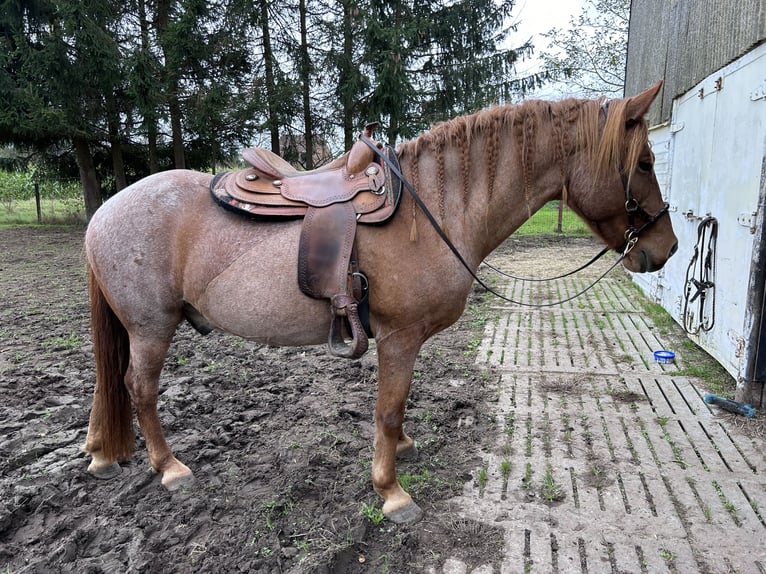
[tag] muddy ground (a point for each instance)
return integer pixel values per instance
(279, 439)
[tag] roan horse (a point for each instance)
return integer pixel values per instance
(162, 247)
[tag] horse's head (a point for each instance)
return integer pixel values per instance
(613, 186)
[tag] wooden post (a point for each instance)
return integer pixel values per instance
(561, 215)
(37, 202)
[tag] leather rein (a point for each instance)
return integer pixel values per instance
(632, 207)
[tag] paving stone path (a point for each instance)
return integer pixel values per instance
(605, 460)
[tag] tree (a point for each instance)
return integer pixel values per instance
(432, 60)
(123, 89)
(588, 59)
(62, 60)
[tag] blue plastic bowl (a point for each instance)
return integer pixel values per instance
(664, 357)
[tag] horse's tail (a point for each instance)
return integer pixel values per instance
(112, 409)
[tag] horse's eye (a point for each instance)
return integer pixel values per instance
(644, 166)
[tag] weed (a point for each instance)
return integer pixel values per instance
(472, 346)
(526, 482)
(509, 424)
(667, 554)
(677, 453)
(505, 468)
(482, 479)
(70, 342)
(727, 504)
(372, 513)
(409, 481)
(550, 490)
(211, 368)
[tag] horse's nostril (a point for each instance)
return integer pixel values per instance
(673, 250)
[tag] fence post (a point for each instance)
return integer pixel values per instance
(561, 215)
(37, 202)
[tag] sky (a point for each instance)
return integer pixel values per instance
(536, 17)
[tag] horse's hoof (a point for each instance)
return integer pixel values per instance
(408, 454)
(177, 481)
(104, 471)
(409, 514)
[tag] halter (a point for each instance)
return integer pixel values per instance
(632, 207)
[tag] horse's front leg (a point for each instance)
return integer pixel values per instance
(142, 379)
(396, 359)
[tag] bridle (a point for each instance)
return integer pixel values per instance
(633, 208)
(632, 233)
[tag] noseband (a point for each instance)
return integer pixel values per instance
(635, 210)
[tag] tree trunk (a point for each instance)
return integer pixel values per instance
(346, 70)
(91, 191)
(115, 143)
(151, 140)
(150, 115)
(305, 68)
(174, 105)
(268, 63)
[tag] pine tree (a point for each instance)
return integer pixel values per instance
(433, 60)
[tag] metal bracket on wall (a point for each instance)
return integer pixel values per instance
(747, 220)
(675, 128)
(759, 93)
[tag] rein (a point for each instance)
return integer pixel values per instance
(631, 233)
(595, 258)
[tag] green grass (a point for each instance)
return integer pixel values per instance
(545, 221)
(53, 212)
(372, 512)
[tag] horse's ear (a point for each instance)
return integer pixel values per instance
(637, 106)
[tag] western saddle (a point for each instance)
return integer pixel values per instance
(332, 200)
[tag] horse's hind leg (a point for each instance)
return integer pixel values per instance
(147, 356)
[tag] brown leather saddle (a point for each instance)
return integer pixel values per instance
(355, 188)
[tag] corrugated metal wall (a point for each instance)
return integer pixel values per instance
(683, 41)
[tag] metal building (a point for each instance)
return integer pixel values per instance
(709, 137)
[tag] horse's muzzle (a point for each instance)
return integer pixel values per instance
(648, 264)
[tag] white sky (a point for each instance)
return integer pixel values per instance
(535, 17)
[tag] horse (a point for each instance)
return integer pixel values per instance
(162, 251)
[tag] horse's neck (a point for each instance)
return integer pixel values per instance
(483, 190)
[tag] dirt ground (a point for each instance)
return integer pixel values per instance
(548, 441)
(279, 439)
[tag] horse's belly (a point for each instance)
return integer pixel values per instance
(257, 298)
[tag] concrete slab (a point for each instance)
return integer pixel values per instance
(603, 459)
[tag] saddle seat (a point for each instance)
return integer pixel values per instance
(332, 200)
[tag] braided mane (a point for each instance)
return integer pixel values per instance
(537, 124)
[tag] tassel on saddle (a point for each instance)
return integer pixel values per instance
(332, 200)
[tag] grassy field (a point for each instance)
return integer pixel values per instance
(545, 222)
(52, 212)
(70, 211)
